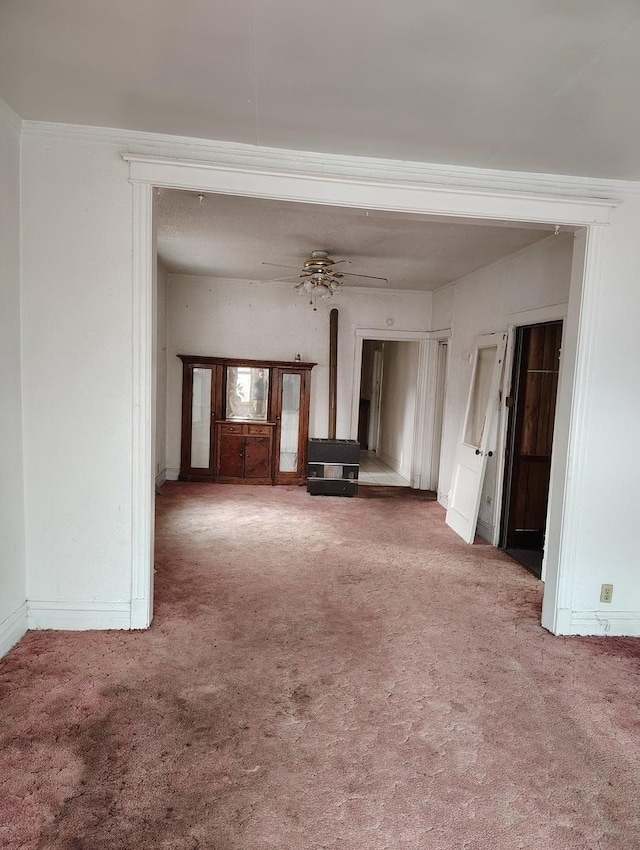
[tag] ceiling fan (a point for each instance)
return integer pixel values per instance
(318, 278)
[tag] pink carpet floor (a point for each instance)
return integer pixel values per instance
(321, 674)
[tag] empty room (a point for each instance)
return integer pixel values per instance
(316, 521)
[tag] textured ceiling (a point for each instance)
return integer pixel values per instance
(513, 84)
(230, 237)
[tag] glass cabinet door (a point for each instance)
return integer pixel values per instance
(247, 393)
(199, 384)
(201, 418)
(290, 422)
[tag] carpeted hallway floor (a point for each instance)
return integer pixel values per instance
(321, 673)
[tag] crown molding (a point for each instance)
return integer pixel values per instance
(10, 117)
(201, 152)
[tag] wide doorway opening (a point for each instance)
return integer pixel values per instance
(145, 173)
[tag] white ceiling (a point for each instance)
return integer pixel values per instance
(231, 237)
(544, 86)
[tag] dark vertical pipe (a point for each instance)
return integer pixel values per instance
(333, 372)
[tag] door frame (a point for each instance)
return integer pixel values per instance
(555, 313)
(435, 413)
(411, 188)
(418, 453)
(439, 405)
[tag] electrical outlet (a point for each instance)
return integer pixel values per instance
(606, 593)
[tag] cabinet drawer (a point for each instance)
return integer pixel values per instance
(231, 429)
(263, 430)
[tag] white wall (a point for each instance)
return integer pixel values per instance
(232, 318)
(12, 535)
(77, 330)
(160, 346)
(398, 405)
(482, 303)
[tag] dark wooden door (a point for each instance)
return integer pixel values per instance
(257, 458)
(530, 435)
(232, 450)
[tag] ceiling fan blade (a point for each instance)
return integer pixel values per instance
(279, 265)
(279, 279)
(370, 276)
(335, 262)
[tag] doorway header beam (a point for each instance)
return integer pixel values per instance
(410, 195)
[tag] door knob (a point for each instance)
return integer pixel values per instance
(477, 451)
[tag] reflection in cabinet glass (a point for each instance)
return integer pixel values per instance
(244, 421)
(247, 392)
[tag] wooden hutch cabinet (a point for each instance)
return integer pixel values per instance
(244, 421)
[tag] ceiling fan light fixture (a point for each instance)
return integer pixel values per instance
(319, 279)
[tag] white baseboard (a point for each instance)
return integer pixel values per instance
(389, 461)
(161, 477)
(485, 531)
(171, 474)
(614, 624)
(140, 614)
(12, 628)
(394, 463)
(78, 616)
(443, 499)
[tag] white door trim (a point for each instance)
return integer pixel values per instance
(143, 401)
(373, 435)
(456, 200)
(438, 392)
(567, 484)
(455, 195)
(422, 337)
(557, 312)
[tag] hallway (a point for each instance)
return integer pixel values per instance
(321, 673)
(375, 471)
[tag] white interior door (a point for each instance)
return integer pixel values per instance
(478, 435)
